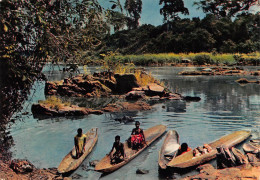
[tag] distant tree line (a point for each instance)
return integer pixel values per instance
(210, 34)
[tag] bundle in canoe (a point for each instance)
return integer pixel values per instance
(187, 160)
(69, 162)
(170, 146)
(151, 135)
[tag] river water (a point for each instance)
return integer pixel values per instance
(225, 106)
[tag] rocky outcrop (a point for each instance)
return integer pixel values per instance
(62, 110)
(207, 171)
(100, 84)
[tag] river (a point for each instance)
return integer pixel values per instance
(225, 106)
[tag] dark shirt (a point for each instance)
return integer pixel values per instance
(136, 131)
(119, 148)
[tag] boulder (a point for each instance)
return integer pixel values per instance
(21, 166)
(125, 83)
(155, 90)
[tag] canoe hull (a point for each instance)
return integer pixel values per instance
(151, 135)
(69, 162)
(186, 160)
(170, 145)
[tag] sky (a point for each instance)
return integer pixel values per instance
(151, 11)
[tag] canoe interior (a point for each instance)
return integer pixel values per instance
(151, 135)
(186, 160)
(170, 146)
(250, 148)
(69, 162)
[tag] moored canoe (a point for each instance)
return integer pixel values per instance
(69, 162)
(187, 160)
(151, 135)
(170, 146)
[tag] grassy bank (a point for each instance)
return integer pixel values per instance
(196, 58)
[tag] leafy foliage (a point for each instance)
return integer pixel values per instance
(197, 35)
(225, 8)
(171, 8)
(134, 9)
(33, 32)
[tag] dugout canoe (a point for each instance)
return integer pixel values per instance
(151, 135)
(69, 162)
(169, 148)
(251, 148)
(186, 160)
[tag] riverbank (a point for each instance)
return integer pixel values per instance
(23, 169)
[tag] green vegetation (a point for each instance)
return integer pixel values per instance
(54, 102)
(196, 58)
(210, 34)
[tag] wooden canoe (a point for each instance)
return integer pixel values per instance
(69, 162)
(186, 160)
(170, 146)
(251, 148)
(151, 135)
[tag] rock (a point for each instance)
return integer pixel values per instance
(93, 163)
(229, 173)
(21, 166)
(125, 83)
(76, 176)
(135, 95)
(126, 106)
(190, 98)
(125, 119)
(142, 171)
(62, 110)
(154, 90)
(245, 81)
(239, 156)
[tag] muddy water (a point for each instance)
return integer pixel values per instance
(225, 106)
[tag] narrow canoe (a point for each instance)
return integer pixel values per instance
(186, 160)
(69, 162)
(251, 148)
(151, 135)
(170, 146)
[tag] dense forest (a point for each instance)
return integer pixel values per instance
(210, 34)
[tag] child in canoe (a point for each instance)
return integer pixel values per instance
(137, 137)
(183, 149)
(119, 155)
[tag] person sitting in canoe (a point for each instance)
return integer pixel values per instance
(80, 141)
(183, 149)
(119, 155)
(137, 137)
